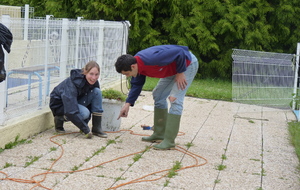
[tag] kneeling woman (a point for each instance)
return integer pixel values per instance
(77, 98)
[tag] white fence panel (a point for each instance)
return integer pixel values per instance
(45, 50)
(262, 78)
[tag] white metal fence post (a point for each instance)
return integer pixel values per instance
(3, 84)
(77, 41)
(100, 47)
(125, 36)
(46, 58)
(64, 49)
(296, 78)
(26, 21)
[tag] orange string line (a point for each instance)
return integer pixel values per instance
(138, 180)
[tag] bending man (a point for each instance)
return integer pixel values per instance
(176, 67)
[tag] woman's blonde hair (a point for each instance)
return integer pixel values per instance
(89, 66)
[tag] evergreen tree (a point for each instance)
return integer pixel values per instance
(211, 28)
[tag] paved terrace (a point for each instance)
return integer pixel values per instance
(222, 146)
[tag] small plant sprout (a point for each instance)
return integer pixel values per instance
(53, 149)
(263, 172)
(120, 178)
(13, 144)
(189, 145)
(172, 172)
(255, 159)
(32, 160)
(99, 151)
(217, 181)
(137, 157)
(166, 183)
(251, 121)
(7, 165)
(111, 141)
(224, 157)
(147, 148)
(221, 167)
(75, 168)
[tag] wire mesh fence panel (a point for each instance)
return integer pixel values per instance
(262, 78)
(114, 42)
(44, 51)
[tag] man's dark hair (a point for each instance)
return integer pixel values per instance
(124, 63)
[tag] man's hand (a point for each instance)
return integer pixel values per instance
(124, 111)
(181, 81)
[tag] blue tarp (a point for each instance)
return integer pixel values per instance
(296, 112)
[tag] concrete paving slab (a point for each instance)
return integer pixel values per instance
(252, 142)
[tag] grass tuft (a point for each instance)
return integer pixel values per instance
(294, 129)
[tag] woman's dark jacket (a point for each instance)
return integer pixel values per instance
(63, 98)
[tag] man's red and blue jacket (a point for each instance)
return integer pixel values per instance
(158, 62)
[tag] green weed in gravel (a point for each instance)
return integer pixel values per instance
(137, 157)
(99, 151)
(7, 165)
(75, 168)
(173, 171)
(15, 143)
(166, 183)
(221, 167)
(32, 160)
(111, 141)
(53, 149)
(255, 159)
(224, 157)
(120, 178)
(189, 145)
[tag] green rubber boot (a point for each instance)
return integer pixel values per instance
(172, 128)
(160, 118)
